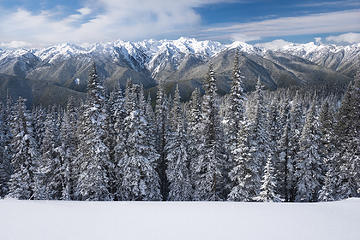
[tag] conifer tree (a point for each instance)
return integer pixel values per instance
(250, 153)
(347, 131)
(67, 151)
(268, 186)
(48, 175)
(130, 97)
(115, 117)
(115, 130)
(4, 155)
(194, 133)
(161, 111)
(245, 174)
(274, 127)
(234, 115)
(356, 137)
(24, 153)
(139, 180)
(294, 134)
(308, 162)
(328, 152)
(5, 146)
(235, 110)
(39, 117)
(150, 118)
(93, 181)
(283, 162)
(177, 156)
(210, 180)
(259, 125)
(327, 192)
(326, 131)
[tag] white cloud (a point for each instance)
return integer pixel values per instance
(242, 37)
(84, 11)
(15, 44)
(339, 21)
(347, 3)
(317, 39)
(274, 45)
(103, 20)
(345, 38)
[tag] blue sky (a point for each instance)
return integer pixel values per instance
(30, 23)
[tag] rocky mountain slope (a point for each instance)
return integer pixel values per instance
(184, 61)
(344, 59)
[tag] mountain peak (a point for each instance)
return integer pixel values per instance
(244, 47)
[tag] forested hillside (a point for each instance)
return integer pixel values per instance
(287, 145)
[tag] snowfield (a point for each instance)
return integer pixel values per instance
(52, 220)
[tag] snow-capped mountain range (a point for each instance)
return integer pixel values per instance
(338, 58)
(183, 60)
(145, 52)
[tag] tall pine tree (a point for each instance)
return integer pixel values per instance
(24, 156)
(210, 182)
(93, 181)
(161, 111)
(177, 155)
(308, 162)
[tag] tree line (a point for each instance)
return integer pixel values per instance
(261, 146)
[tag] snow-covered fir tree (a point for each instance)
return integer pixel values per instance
(93, 181)
(5, 148)
(294, 134)
(118, 148)
(308, 162)
(39, 118)
(6, 138)
(177, 155)
(250, 153)
(67, 151)
(235, 109)
(24, 154)
(194, 133)
(274, 127)
(48, 178)
(328, 189)
(139, 180)
(245, 173)
(356, 134)
(234, 115)
(161, 112)
(328, 153)
(115, 117)
(259, 128)
(268, 184)
(210, 182)
(150, 118)
(115, 131)
(282, 163)
(348, 141)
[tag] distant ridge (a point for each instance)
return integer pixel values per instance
(183, 61)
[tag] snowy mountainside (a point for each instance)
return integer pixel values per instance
(179, 220)
(152, 53)
(343, 59)
(184, 61)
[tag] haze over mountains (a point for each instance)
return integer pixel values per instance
(50, 75)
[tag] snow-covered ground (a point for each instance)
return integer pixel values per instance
(53, 220)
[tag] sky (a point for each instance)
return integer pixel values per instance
(39, 23)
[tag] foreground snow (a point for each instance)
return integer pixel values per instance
(20, 220)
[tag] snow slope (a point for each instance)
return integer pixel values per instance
(159, 55)
(54, 220)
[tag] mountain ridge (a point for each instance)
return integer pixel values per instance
(183, 61)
